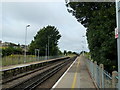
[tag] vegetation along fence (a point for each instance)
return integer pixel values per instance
(20, 59)
(102, 78)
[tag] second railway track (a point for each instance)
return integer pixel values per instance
(43, 75)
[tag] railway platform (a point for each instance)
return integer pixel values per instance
(19, 65)
(76, 76)
(25, 64)
(13, 70)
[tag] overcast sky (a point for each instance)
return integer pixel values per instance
(16, 15)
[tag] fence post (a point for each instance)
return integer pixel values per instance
(114, 80)
(95, 71)
(91, 63)
(101, 76)
(92, 69)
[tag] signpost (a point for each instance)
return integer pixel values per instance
(118, 38)
(116, 33)
(37, 53)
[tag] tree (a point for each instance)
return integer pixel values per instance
(75, 53)
(11, 50)
(99, 19)
(47, 36)
(69, 52)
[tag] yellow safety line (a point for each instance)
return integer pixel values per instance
(75, 76)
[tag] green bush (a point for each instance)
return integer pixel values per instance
(11, 50)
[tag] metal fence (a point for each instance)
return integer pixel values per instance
(107, 79)
(102, 78)
(12, 60)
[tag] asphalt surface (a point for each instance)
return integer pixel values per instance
(76, 76)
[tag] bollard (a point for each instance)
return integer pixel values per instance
(114, 80)
(101, 76)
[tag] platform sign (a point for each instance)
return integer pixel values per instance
(116, 33)
(118, 39)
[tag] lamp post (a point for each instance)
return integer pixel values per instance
(82, 48)
(118, 39)
(25, 42)
(48, 46)
(46, 51)
(83, 45)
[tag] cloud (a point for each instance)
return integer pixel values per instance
(16, 15)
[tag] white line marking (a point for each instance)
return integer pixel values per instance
(63, 75)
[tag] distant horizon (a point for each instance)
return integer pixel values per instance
(29, 44)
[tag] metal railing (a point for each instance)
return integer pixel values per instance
(102, 78)
(107, 79)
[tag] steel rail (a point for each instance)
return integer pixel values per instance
(26, 73)
(35, 81)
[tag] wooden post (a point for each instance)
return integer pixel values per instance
(114, 80)
(101, 76)
(95, 71)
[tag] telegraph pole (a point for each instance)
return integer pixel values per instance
(118, 39)
(48, 47)
(46, 52)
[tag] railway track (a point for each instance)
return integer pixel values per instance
(35, 80)
(5, 81)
